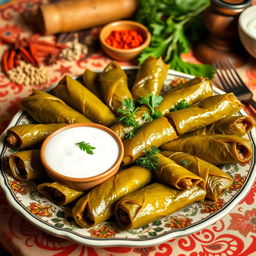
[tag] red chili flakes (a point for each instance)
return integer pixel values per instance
(124, 39)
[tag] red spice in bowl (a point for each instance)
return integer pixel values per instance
(124, 39)
(124, 54)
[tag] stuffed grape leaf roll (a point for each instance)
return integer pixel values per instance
(81, 99)
(28, 135)
(46, 108)
(151, 134)
(59, 193)
(204, 113)
(215, 149)
(150, 78)
(98, 204)
(230, 125)
(26, 165)
(114, 86)
(153, 202)
(215, 180)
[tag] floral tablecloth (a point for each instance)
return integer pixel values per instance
(233, 235)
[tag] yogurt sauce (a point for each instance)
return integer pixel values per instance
(64, 156)
(251, 25)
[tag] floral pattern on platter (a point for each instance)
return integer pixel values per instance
(103, 231)
(175, 222)
(40, 210)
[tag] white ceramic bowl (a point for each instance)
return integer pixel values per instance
(246, 21)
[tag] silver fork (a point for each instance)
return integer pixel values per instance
(232, 82)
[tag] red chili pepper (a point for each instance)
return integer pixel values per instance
(11, 59)
(124, 39)
(34, 54)
(34, 37)
(5, 60)
(45, 43)
(46, 49)
(27, 56)
(8, 40)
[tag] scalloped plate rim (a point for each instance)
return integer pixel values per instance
(111, 242)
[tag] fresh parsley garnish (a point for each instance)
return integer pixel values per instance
(147, 117)
(130, 134)
(128, 111)
(185, 162)
(180, 105)
(152, 101)
(149, 160)
(86, 147)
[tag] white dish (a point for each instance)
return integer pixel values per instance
(247, 29)
(56, 220)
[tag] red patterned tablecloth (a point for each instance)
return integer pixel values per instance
(233, 235)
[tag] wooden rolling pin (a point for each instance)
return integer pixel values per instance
(79, 14)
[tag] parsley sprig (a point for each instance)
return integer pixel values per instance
(185, 162)
(128, 111)
(152, 101)
(149, 160)
(86, 147)
(180, 105)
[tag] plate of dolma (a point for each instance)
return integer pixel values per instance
(138, 206)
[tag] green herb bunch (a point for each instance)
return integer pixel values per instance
(152, 101)
(150, 159)
(129, 109)
(180, 105)
(168, 21)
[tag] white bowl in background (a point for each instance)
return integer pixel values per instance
(247, 29)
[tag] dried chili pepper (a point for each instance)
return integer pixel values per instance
(26, 56)
(11, 59)
(34, 53)
(5, 60)
(34, 37)
(44, 43)
(46, 49)
(124, 39)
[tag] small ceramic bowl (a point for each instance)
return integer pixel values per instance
(77, 182)
(124, 54)
(247, 29)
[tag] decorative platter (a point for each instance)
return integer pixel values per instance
(56, 220)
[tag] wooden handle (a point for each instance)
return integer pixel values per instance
(79, 14)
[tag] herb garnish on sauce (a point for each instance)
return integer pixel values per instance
(86, 147)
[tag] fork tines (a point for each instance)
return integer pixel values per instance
(228, 75)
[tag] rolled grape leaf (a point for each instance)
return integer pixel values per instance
(59, 193)
(204, 113)
(98, 204)
(153, 202)
(114, 86)
(26, 165)
(91, 81)
(46, 108)
(215, 149)
(81, 99)
(175, 175)
(230, 125)
(29, 135)
(193, 91)
(150, 78)
(215, 181)
(151, 134)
